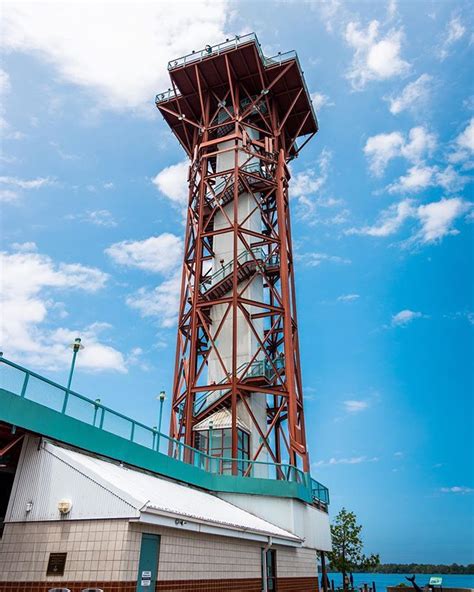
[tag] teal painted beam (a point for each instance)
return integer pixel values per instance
(47, 422)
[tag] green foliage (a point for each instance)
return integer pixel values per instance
(347, 547)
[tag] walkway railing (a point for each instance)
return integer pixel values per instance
(36, 388)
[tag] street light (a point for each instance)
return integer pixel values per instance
(76, 346)
(161, 397)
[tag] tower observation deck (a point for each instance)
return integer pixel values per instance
(237, 392)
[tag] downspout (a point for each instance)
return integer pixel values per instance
(264, 563)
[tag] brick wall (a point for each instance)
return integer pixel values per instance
(105, 554)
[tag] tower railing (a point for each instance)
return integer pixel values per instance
(33, 387)
(256, 255)
(257, 369)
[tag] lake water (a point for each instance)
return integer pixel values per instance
(384, 580)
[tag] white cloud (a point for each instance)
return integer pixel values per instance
(8, 195)
(118, 52)
(26, 184)
(172, 181)
(382, 148)
(457, 489)
(348, 297)
(376, 57)
(102, 218)
(4, 82)
(437, 219)
(353, 406)
(404, 317)
(29, 280)
(420, 143)
(390, 220)
(156, 254)
(161, 302)
(414, 95)
(315, 259)
(418, 177)
(321, 100)
(454, 32)
(354, 460)
(307, 187)
(464, 144)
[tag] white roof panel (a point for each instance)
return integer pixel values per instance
(152, 492)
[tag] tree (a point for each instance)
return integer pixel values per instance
(347, 546)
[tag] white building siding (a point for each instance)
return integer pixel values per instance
(44, 479)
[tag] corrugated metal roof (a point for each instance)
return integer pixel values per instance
(158, 494)
(220, 419)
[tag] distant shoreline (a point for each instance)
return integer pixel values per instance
(418, 568)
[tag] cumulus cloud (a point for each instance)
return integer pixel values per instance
(321, 100)
(435, 220)
(413, 96)
(307, 189)
(353, 406)
(161, 302)
(382, 148)
(172, 181)
(405, 317)
(156, 254)
(390, 220)
(463, 148)
(376, 56)
(454, 32)
(118, 53)
(29, 282)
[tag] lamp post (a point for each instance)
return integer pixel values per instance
(76, 346)
(162, 398)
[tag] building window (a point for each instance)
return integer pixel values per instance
(218, 444)
(269, 571)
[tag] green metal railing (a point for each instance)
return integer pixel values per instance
(256, 369)
(31, 386)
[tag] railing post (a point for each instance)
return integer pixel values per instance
(132, 431)
(25, 384)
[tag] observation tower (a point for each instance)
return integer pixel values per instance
(237, 394)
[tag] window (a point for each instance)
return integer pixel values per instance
(218, 443)
(269, 572)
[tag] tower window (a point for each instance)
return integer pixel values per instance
(218, 444)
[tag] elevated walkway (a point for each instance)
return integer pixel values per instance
(38, 405)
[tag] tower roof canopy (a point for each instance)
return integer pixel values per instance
(241, 60)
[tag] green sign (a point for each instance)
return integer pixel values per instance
(436, 581)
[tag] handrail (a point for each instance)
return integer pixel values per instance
(31, 386)
(243, 257)
(263, 368)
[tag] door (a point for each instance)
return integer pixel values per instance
(148, 565)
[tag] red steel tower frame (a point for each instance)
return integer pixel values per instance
(238, 116)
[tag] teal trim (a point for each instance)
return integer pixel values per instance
(36, 404)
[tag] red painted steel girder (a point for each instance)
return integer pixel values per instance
(235, 104)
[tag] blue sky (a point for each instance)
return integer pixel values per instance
(92, 192)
